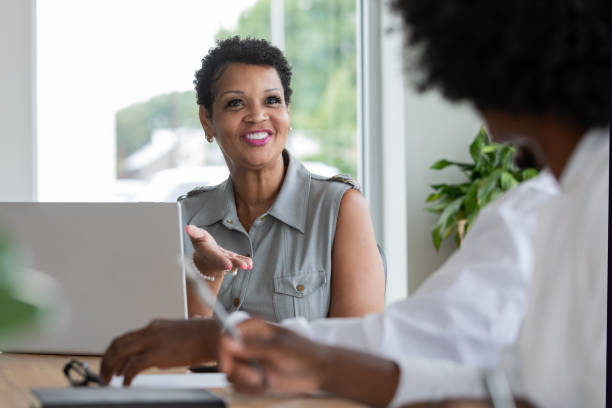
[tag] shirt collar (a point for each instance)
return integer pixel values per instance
(289, 207)
(593, 146)
(292, 201)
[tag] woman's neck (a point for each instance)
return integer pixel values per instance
(256, 190)
(554, 139)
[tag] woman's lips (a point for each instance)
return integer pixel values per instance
(257, 138)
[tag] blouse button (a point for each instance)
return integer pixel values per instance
(229, 221)
(300, 288)
(236, 302)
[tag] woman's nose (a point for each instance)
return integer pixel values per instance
(257, 114)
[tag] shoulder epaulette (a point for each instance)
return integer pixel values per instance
(195, 191)
(346, 179)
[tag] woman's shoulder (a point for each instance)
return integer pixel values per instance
(195, 199)
(344, 181)
(200, 192)
(326, 189)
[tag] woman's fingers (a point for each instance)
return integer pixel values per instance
(239, 261)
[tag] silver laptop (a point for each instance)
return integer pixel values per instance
(116, 265)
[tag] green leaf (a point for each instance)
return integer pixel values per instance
(433, 197)
(488, 184)
(440, 205)
(477, 146)
(449, 212)
(528, 173)
(436, 236)
(440, 164)
(452, 191)
(493, 147)
(507, 181)
(505, 157)
(449, 229)
(471, 199)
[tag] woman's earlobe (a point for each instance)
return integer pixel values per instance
(205, 121)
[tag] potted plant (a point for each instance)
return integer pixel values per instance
(492, 173)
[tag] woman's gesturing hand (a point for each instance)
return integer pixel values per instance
(291, 363)
(210, 258)
(162, 344)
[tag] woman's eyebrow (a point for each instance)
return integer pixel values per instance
(232, 91)
(271, 89)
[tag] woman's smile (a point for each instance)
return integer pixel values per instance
(258, 137)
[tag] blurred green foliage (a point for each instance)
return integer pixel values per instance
(492, 173)
(135, 124)
(320, 44)
(15, 313)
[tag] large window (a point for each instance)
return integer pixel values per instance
(117, 117)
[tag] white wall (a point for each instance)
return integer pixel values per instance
(17, 101)
(404, 133)
(435, 129)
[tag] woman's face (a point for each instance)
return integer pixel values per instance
(250, 119)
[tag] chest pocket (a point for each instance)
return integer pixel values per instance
(304, 295)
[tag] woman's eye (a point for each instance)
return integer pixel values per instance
(234, 103)
(273, 100)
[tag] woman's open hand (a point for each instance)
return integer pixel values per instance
(162, 344)
(211, 259)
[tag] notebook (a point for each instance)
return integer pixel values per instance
(132, 397)
(116, 266)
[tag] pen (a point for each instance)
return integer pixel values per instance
(220, 313)
(209, 298)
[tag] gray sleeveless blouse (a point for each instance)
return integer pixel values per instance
(290, 244)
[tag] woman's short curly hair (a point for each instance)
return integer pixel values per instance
(519, 56)
(234, 49)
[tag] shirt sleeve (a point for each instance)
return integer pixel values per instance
(430, 380)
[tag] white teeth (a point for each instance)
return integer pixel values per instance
(257, 136)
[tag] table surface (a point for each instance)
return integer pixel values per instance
(21, 372)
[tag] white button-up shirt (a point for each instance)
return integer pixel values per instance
(559, 359)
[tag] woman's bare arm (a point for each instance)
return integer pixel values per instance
(358, 278)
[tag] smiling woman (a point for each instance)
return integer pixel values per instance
(304, 244)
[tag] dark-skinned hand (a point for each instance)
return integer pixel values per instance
(210, 258)
(161, 344)
(291, 362)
